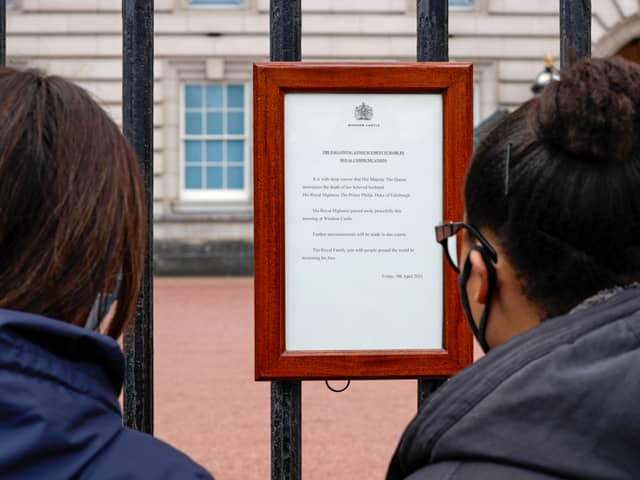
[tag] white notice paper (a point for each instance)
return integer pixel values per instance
(363, 191)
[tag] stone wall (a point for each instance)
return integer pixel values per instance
(81, 40)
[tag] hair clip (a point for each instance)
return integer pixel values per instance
(506, 170)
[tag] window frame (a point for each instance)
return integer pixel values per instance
(467, 5)
(215, 4)
(219, 195)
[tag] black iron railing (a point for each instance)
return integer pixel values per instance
(3, 31)
(432, 45)
(137, 97)
(286, 397)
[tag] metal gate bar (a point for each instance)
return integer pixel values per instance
(433, 46)
(575, 30)
(286, 430)
(3, 32)
(433, 30)
(137, 97)
(286, 397)
(286, 30)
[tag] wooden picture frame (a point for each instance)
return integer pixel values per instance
(271, 82)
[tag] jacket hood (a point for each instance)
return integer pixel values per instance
(560, 399)
(59, 387)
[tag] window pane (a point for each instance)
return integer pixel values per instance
(194, 123)
(214, 96)
(193, 96)
(214, 123)
(214, 151)
(235, 96)
(193, 177)
(235, 151)
(235, 122)
(235, 177)
(214, 177)
(192, 151)
(214, 2)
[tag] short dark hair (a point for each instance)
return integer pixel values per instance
(71, 202)
(569, 218)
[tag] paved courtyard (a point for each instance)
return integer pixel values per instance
(208, 405)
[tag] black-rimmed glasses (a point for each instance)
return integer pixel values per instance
(447, 235)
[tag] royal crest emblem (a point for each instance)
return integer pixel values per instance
(363, 112)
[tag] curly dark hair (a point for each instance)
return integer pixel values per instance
(569, 220)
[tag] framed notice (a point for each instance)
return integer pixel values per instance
(354, 165)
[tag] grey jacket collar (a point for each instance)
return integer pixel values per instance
(562, 398)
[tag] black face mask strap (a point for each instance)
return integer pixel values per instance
(479, 331)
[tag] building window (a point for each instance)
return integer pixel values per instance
(215, 2)
(214, 141)
(460, 3)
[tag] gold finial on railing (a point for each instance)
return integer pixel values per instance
(548, 60)
(548, 75)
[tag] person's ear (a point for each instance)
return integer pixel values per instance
(479, 278)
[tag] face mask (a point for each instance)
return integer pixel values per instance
(102, 305)
(479, 330)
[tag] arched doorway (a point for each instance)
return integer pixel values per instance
(631, 51)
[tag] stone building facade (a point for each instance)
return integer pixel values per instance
(204, 53)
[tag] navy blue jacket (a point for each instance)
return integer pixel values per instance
(59, 411)
(561, 400)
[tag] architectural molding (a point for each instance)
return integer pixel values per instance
(173, 208)
(618, 36)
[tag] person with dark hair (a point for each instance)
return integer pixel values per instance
(549, 266)
(72, 236)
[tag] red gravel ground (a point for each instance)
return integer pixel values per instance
(208, 405)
